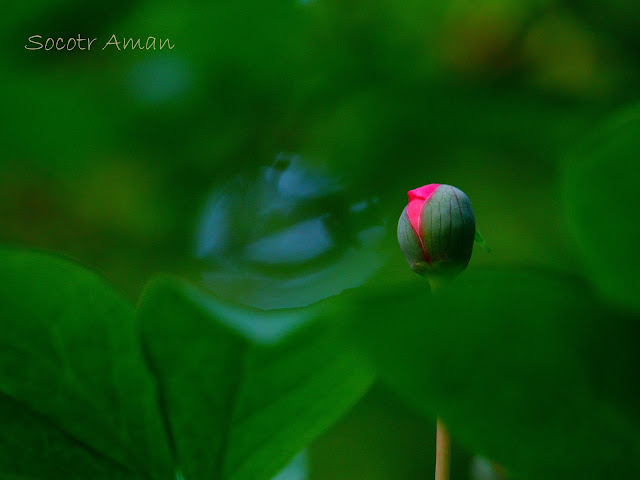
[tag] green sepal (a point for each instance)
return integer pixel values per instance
(480, 241)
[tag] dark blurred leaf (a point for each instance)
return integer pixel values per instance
(57, 126)
(239, 409)
(525, 368)
(602, 197)
(58, 18)
(76, 401)
(618, 19)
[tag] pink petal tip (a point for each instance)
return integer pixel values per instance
(417, 198)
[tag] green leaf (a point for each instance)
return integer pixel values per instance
(241, 408)
(601, 186)
(525, 368)
(76, 401)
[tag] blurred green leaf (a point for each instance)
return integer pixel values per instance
(524, 367)
(601, 185)
(59, 17)
(55, 126)
(617, 19)
(239, 409)
(76, 401)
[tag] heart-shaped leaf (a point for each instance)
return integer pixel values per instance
(76, 400)
(239, 408)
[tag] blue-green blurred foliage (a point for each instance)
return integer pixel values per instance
(107, 156)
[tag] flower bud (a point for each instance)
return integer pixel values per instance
(436, 231)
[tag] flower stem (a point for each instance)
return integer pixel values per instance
(443, 441)
(437, 284)
(443, 451)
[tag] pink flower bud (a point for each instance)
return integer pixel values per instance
(436, 230)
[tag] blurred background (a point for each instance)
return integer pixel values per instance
(267, 155)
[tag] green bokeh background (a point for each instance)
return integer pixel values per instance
(108, 156)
